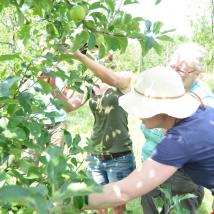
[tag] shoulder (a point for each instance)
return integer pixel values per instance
(125, 79)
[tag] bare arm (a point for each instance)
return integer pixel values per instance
(142, 180)
(108, 76)
(71, 102)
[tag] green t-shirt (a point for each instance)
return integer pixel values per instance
(110, 131)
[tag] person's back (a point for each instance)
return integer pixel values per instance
(194, 147)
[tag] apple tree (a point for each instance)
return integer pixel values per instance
(35, 36)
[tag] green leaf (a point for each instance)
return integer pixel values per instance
(44, 138)
(146, 44)
(6, 85)
(42, 7)
(52, 31)
(157, 26)
(98, 16)
(24, 165)
(50, 56)
(168, 31)
(127, 19)
(80, 40)
(34, 128)
(25, 101)
(148, 25)
(60, 29)
(14, 193)
(56, 164)
(59, 104)
(187, 196)
(77, 189)
(130, 2)
(25, 196)
(165, 38)
(90, 24)
(84, 36)
(3, 4)
(33, 173)
(11, 108)
(24, 33)
(111, 5)
(177, 205)
(15, 133)
(123, 44)
(79, 202)
(102, 51)
(8, 57)
(41, 189)
(157, 47)
(65, 57)
(91, 41)
(21, 17)
(68, 137)
(76, 139)
(157, 2)
(45, 86)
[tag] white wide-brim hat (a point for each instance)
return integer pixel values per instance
(160, 90)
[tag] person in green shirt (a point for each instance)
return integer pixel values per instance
(113, 159)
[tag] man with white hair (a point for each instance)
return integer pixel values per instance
(188, 61)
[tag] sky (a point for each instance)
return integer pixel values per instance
(173, 13)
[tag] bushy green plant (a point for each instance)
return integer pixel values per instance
(35, 36)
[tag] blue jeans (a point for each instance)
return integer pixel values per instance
(107, 171)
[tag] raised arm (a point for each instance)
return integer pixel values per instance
(142, 180)
(120, 80)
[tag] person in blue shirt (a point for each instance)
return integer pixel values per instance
(187, 60)
(160, 100)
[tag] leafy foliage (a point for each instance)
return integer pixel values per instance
(34, 175)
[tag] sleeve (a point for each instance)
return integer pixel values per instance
(172, 150)
(125, 78)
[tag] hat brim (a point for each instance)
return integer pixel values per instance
(145, 107)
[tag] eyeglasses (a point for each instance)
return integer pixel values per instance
(182, 72)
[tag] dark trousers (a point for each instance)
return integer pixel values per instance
(180, 183)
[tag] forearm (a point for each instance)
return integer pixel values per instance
(142, 180)
(117, 193)
(71, 103)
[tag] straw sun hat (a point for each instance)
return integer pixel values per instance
(159, 90)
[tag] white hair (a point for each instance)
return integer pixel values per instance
(191, 53)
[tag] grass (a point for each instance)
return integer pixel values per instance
(81, 121)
